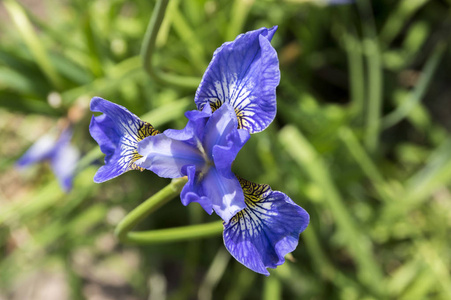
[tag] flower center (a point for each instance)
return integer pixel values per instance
(208, 162)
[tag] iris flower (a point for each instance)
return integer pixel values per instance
(236, 97)
(59, 151)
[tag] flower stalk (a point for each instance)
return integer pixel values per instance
(148, 49)
(123, 229)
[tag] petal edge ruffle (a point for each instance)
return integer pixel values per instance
(245, 74)
(265, 231)
(117, 132)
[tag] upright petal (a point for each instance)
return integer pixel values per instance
(224, 155)
(261, 235)
(195, 127)
(117, 132)
(221, 124)
(244, 73)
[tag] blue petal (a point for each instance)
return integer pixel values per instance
(244, 73)
(266, 230)
(166, 156)
(117, 132)
(224, 192)
(223, 156)
(213, 192)
(41, 150)
(62, 155)
(63, 163)
(221, 124)
(195, 127)
(193, 190)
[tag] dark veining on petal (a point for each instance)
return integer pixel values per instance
(253, 194)
(215, 104)
(144, 130)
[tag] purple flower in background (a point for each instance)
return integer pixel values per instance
(245, 74)
(62, 155)
(117, 132)
(204, 151)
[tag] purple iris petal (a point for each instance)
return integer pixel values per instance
(218, 128)
(166, 156)
(62, 155)
(223, 156)
(196, 124)
(117, 132)
(193, 151)
(266, 230)
(245, 74)
(64, 162)
(41, 150)
(224, 192)
(193, 190)
(213, 191)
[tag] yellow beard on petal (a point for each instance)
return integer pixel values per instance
(144, 131)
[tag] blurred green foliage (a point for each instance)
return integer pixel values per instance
(361, 141)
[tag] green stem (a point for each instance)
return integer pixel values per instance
(214, 274)
(176, 234)
(272, 289)
(123, 229)
(356, 73)
(148, 49)
(419, 91)
(239, 13)
(374, 73)
(94, 56)
(360, 155)
(188, 35)
(147, 207)
(398, 18)
(33, 42)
